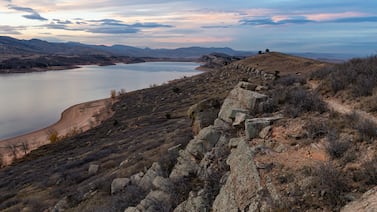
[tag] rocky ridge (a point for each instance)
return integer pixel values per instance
(255, 150)
(216, 156)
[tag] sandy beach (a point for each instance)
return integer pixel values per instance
(75, 119)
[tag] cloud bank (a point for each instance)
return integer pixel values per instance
(33, 15)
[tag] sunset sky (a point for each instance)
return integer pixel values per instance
(341, 26)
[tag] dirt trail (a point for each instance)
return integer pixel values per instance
(336, 106)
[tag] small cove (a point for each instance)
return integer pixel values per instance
(33, 101)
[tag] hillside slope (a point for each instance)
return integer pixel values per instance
(297, 155)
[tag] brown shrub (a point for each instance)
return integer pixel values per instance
(289, 80)
(299, 100)
(331, 184)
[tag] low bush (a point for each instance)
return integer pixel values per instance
(366, 128)
(370, 171)
(321, 73)
(53, 136)
(336, 147)
(370, 103)
(363, 86)
(290, 80)
(316, 129)
(176, 90)
(182, 188)
(113, 94)
(357, 75)
(331, 184)
(269, 106)
(299, 101)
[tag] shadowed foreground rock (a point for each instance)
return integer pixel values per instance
(367, 203)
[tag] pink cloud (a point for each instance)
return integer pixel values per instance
(332, 16)
(194, 39)
(278, 18)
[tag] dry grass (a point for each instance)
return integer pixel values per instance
(285, 64)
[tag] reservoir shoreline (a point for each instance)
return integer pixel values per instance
(69, 85)
(75, 119)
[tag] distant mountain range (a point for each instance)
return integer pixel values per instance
(12, 46)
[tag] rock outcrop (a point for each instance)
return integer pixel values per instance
(217, 60)
(146, 181)
(203, 114)
(252, 70)
(188, 160)
(206, 161)
(254, 127)
(243, 190)
(367, 203)
(197, 201)
(93, 169)
(241, 100)
(119, 184)
(154, 201)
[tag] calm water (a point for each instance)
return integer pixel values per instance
(35, 100)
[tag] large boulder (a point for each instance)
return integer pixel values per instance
(243, 183)
(243, 190)
(146, 182)
(203, 114)
(188, 159)
(154, 201)
(93, 169)
(135, 179)
(241, 98)
(61, 205)
(253, 127)
(186, 165)
(368, 202)
(119, 184)
(163, 184)
(197, 202)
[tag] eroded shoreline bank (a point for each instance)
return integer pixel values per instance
(75, 119)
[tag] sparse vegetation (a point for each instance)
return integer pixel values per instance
(331, 184)
(316, 129)
(176, 90)
(367, 129)
(53, 135)
(299, 101)
(358, 76)
(113, 94)
(142, 130)
(122, 92)
(370, 171)
(336, 147)
(12, 148)
(289, 80)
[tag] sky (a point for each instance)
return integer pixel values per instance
(323, 26)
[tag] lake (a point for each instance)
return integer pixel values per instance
(32, 101)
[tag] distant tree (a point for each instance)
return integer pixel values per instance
(25, 146)
(267, 50)
(259, 52)
(13, 149)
